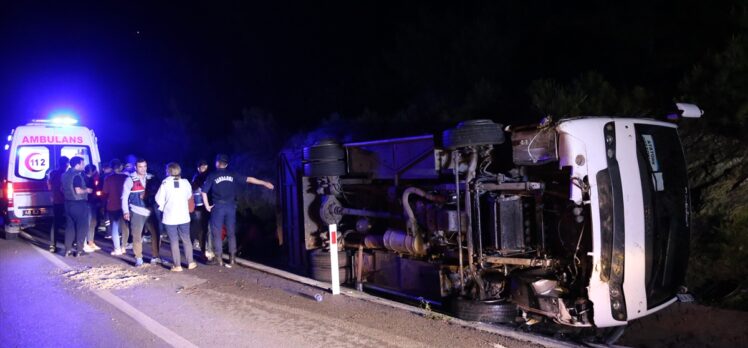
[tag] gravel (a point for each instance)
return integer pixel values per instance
(107, 277)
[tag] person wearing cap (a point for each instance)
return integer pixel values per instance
(219, 197)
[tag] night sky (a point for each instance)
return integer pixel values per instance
(121, 65)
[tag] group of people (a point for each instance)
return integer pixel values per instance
(134, 200)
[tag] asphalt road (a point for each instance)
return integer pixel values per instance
(47, 300)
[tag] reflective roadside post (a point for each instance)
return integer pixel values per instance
(334, 265)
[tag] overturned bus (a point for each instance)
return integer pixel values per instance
(583, 221)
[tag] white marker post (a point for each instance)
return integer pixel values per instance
(334, 268)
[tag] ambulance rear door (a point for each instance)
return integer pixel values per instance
(35, 151)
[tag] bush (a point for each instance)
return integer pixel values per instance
(717, 270)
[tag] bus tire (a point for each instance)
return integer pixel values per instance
(473, 133)
(326, 168)
(320, 266)
(499, 311)
(325, 150)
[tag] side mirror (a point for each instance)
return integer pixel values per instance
(689, 110)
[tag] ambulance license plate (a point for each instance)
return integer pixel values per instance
(34, 212)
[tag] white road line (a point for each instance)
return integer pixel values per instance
(147, 322)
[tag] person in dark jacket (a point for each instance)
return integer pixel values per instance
(112, 197)
(222, 186)
(76, 206)
(54, 184)
(199, 217)
(89, 175)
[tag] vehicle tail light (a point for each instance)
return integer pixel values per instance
(9, 193)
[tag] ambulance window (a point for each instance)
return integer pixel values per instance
(80, 151)
(32, 162)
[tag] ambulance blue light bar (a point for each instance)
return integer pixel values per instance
(63, 119)
(58, 119)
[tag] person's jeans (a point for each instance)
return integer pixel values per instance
(137, 223)
(199, 227)
(76, 223)
(93, 218)
(208, 242)
(58, 226)
(115, 223)
(223, 214)
(158, 216)
(177, 232)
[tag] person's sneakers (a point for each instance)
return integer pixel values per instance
(117, 252)
(232, 260)
(67, 254)
(176, 269)
(87, 248)
(209, 254)
(216, 261)
(95, 247)
(192, 265)
(156, 261)
(129, 246)
(138, 262)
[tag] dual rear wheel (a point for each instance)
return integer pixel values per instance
(324, 158)
(320, 266)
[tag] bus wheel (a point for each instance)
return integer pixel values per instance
(492, 311)
(320, 266)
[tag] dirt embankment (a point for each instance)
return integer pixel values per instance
(688, 325)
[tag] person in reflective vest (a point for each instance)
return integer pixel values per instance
(137, 202)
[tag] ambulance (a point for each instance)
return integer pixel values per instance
(32, 151)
